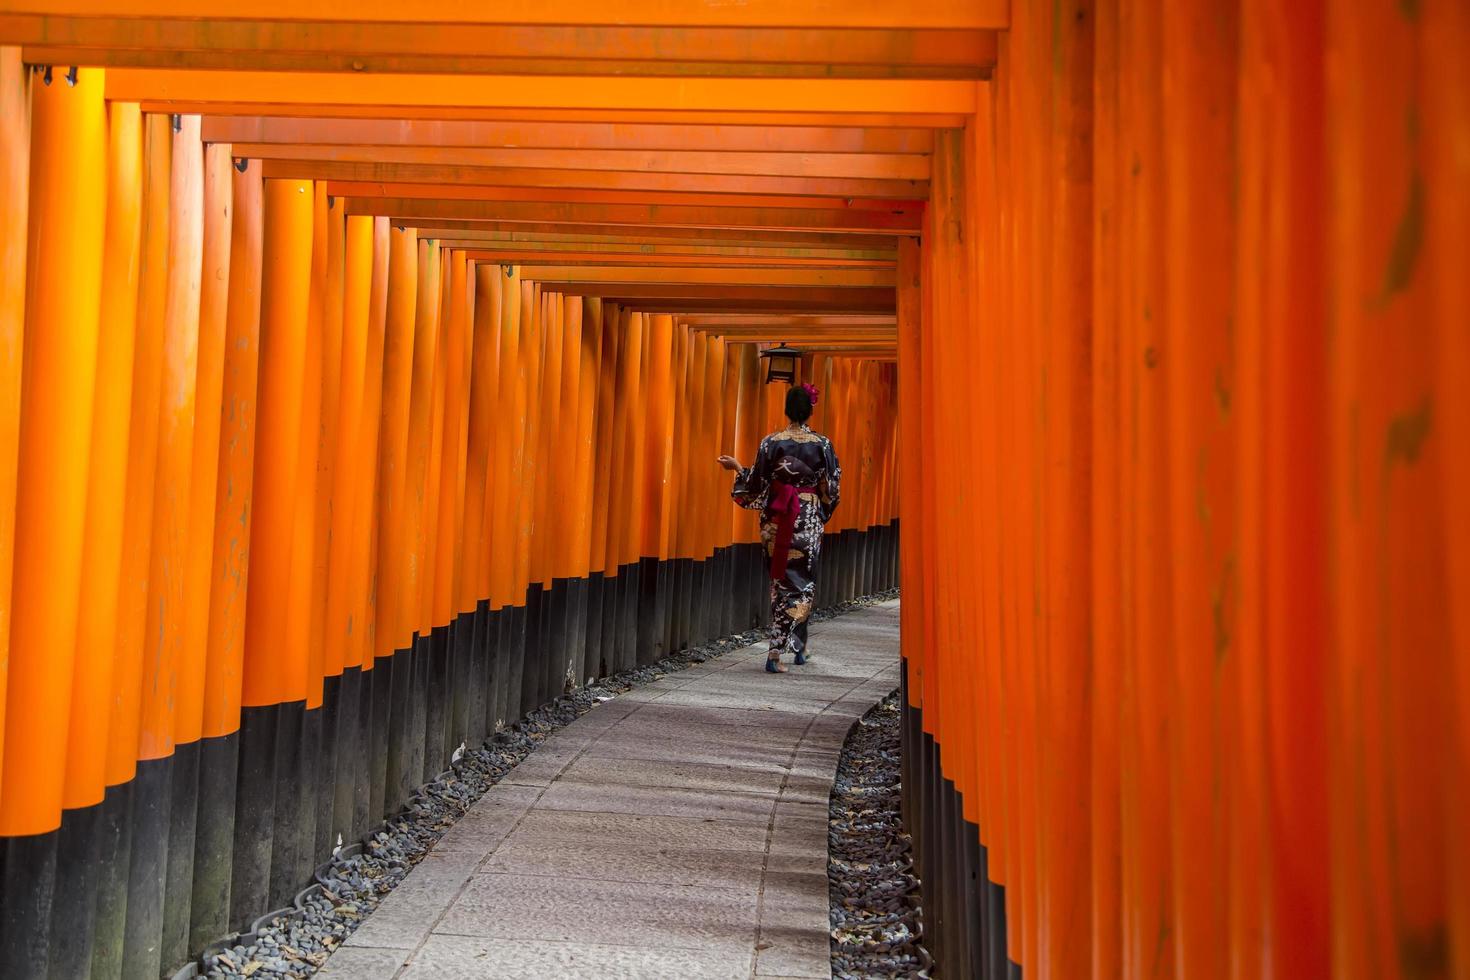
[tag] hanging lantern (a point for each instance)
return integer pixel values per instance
(781, 363)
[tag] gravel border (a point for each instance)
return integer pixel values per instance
(876, 914)
(295, 942)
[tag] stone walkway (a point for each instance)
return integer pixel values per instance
(677, 831)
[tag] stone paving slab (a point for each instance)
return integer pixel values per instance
(677, 831)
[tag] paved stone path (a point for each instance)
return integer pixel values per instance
(677, 831)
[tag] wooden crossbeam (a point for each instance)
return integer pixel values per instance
(793, 303)
(681, 297)
(559, 252)
(403, 175)
(823, 95)
(799, 334)
(555, 49)
(883, 14)
(763, 320)
(541, 258)
(566, 135)
(306, 108)
(574, 195)
(846, 347)
(676, 275)
(414, 212)
(461, 229)
(873, 166)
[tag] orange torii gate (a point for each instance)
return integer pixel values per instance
(361, 370)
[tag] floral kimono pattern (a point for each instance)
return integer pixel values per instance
(795, 469)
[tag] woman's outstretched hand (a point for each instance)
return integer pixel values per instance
(729, 463)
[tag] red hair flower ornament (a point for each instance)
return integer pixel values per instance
(811, 392)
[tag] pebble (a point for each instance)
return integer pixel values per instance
(876, 913)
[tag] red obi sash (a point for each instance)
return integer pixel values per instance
(784, 504)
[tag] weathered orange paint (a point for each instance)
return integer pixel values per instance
(284, 295)
(455, 442)
(393, 631)
(234, 510)
(605, 434)
(68, 184)
(301, 678)
(15, 169)
(214, 288)
(417, 578)
(132, 611)
(163, 647)
(484, 386)
(363, 556)
(329, 300)
(437, 456)
(102, 560)
(353, 468)
(509, 431)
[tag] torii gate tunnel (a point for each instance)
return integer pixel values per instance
(363, 366)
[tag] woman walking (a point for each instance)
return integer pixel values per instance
(794, 483)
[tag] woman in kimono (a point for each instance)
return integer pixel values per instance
(794, 483)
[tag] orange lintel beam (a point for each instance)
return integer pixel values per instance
(528, 231)
(533, 257)
(556, 252)
(933, 14)
(400, 175)
(824, 345)
(492, 48)
(832, 95)
(416, 211)
(879, 166)
(460, 64)
(566, 135)
(842, 278)
(783, 301)
(760, 320)
(797, 301)
(807, 343)
(574, 195)
(811, 344)
(620, 117)
(776, 334)
(795, 298)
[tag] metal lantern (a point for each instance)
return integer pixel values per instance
(781, 363)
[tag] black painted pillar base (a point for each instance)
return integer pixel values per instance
(964, 911)
(115, 848)
(290, 844)
(649, 641)
(142, 942)
(380, 731)
(435, 651)
(592, 628)
(255, 808)
(74, 904)
(178, 894)
(214, 840)
(27, 890)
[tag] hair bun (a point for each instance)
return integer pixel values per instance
(811, 392)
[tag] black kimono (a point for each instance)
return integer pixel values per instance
(794, 483)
